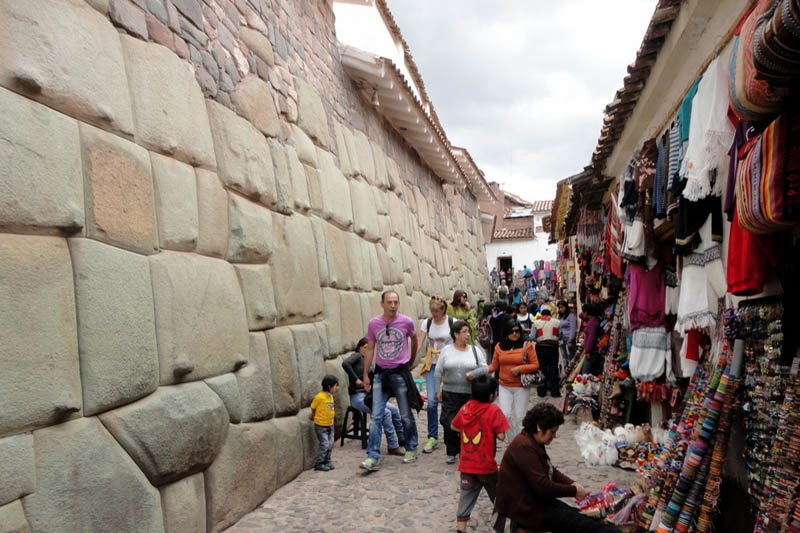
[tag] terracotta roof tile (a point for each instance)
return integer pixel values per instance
(542, 205)
(506, 233)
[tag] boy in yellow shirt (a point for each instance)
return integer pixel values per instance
(322, 412)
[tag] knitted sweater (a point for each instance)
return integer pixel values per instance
(453, 365)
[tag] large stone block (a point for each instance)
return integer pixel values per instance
(310, 361)
(385, 263)
(212, 215)
(283, 363)
(359, 268)
(311, 115)
(339, 274)
(308, 437)
(259, 297)
(352, 151)
(283, 180)
(314, 188)
(12, 518)
(375, 270)
(41, 184)
(333, 320)
(289, 453)
(393, 174)
(398, 216)
(297, 177)
(116, 325)
(365, 298)
(295, 274)
(249, 231)
(201, 323)
(306, 150)
(40, 379)
(227, 388)
(258, 43)
(322, 250)
(365, 159)
(341, 150)
(322, 331)
(255, 382)
(395, 252)
(184, 505)
(365, 221)
(67, 56)
(353, 325)
(102, 489)
(336, 204)
(381, 201)
(379, 159)
(243, 475)
(16, 468)
(120, 203)
(341, 399)
(169, 451)
(175, 186)
(253, 100)
(168, 104)
(243, 158)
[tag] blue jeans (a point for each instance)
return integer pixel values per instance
(325, 438)
(392, 425)
(433, 405)
(379, 400)
(566, 353)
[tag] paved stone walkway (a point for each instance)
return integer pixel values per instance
(399, 498)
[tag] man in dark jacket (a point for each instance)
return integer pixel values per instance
(497, 323)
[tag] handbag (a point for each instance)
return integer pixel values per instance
(768, 177)
(531, 379)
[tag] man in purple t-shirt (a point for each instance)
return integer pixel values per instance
(392, 343)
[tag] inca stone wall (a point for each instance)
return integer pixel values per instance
(197, 216)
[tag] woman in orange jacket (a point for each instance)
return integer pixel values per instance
(513, 357)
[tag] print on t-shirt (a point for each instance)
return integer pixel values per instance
(390, 343)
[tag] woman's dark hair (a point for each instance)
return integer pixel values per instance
(502, 305)
(520, 305)
(328, 382)
(505, 342)
(592, 309)
(483, 387)
(566, 306)
(542, 417)
(361, 342)
(545, 311)
(457, 298)
(457, 326)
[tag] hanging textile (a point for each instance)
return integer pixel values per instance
(776, 44)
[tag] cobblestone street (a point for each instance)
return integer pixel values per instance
(399, 498)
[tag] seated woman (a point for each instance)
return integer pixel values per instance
(528, 486)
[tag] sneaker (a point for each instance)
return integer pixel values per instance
(410, 457)
(322, 468)
(451, 459)
(330, 466)
(431, 445)
(370, 465)
(397, 451)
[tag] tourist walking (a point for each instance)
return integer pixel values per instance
(545, 335)
(497, 323)
(567, 332)
(460, 310)
(528, 485)
(513, 357)
(459, 363)
(592, 363)
(502, 291)
(436, 330)
(392, 343)
(525, 319)
(392, 424)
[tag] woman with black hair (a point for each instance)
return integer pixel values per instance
(593, 363)
(528, 485)
(459, 309)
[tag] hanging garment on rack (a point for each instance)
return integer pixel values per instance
(751, 258)
(646, 296)
(651, 354)
(672, 292)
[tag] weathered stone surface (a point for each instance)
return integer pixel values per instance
(175, 186)
(341, 399)
(67, 56)
(259, 298)
(353, 325)
(321, 249)
(250, 231)
(339, 274)
(310, 361)
(352, 151)
(169, 451)
(365, 159)
(243, 158)
(341, 150)
(333, 320)
(116, 325)
(255, 382)
(314, 188)
(306, 150)
(16, 468)
(253, 100)
(365, 222)
(297, 177)
(128, 16)
(381, 199)
(385, 263)
(393, 174)
(227, 388)
(258, 43)
(365, 299)
(12, 518)
(379, 159)
(311, 115)
(358, 267)
(168, 105)
(295, 276)
(398, 216)
(375, 270)
(103, 489)
(201, 322)
(336, 205)
(308, 438)
(322, 331)
(283, 181)
(289, 454)
(184, 505)
(41, 185)
(283, 362)
(233, 484)
(212, 215)
(39, 352)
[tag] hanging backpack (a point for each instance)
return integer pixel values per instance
(485, 334)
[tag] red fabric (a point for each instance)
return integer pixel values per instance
(478, 423)
(695, 340)
(646, 300)
(750, 259)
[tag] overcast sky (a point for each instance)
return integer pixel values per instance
(522, 84)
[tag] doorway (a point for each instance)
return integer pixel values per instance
(504, 263)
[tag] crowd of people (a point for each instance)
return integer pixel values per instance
(468, 363)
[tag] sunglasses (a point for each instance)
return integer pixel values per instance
(436, 299)
(387, 329)
(515, 330)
